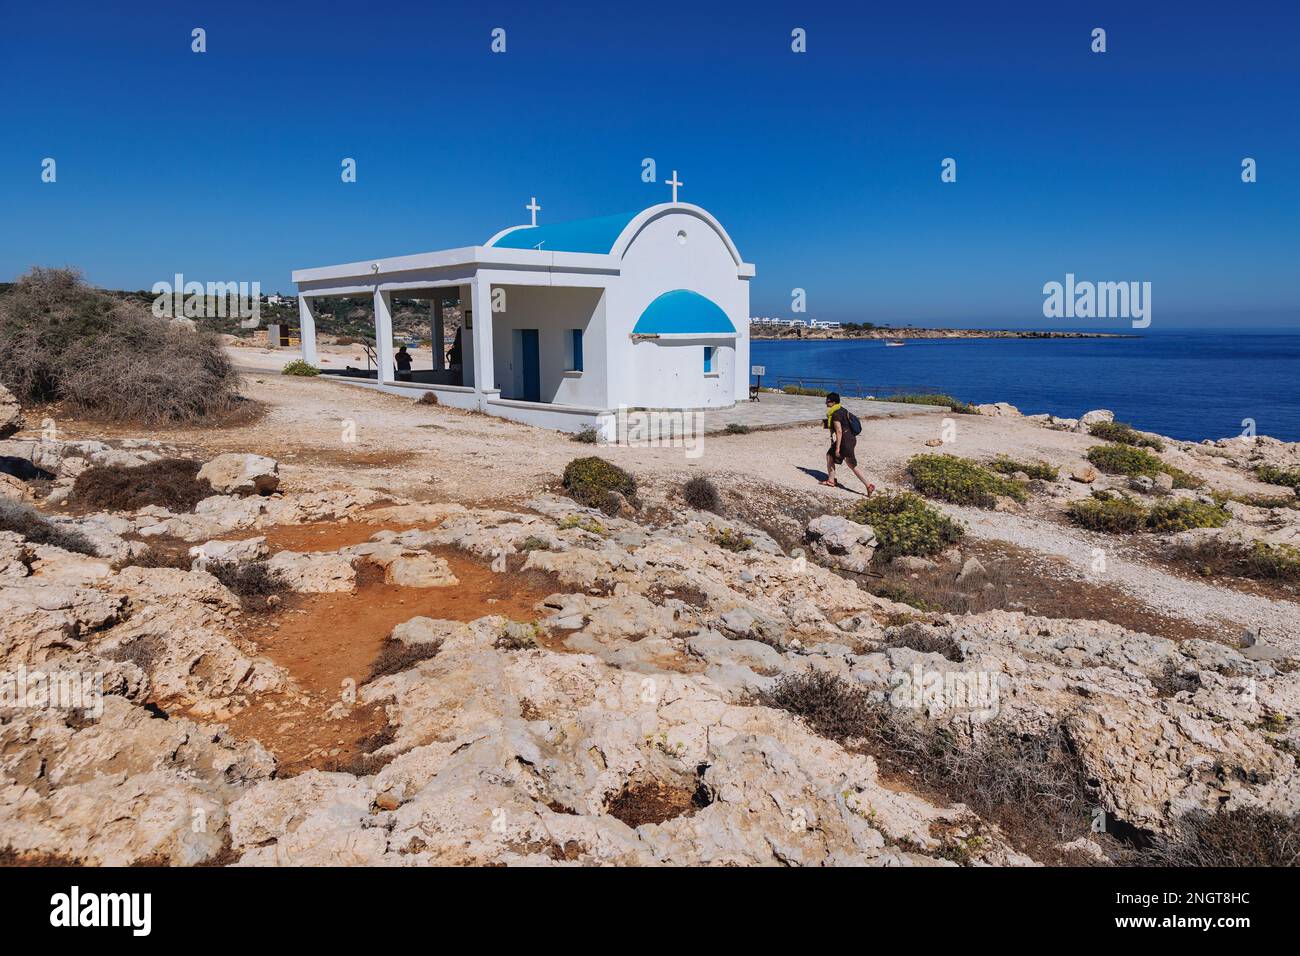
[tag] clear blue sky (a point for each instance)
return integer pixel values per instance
(823, 166)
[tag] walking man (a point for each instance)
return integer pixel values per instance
(844, 439)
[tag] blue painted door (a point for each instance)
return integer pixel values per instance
(531, 365)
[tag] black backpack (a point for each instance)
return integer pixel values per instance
(855, 425)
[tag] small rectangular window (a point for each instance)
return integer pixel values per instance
(575, 349)
(708, 359)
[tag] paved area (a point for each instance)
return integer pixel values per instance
(778, 410)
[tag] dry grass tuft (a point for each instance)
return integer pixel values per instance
(35, 528)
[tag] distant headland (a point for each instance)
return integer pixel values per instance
(786, 329)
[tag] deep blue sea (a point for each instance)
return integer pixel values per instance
(1185, 384)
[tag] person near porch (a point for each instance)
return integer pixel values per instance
(403, 359)
(843, 444)
(454, 353)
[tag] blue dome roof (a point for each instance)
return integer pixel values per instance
(683, 312)
(578, 235)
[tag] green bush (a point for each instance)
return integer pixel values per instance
(1009, 466)
(299, 367)
(960, 481)
(596, 483)
(801, 390)
(905, 524)
(1124, 434)
(1125, 460)
(1114, 515)
(1183, 515)
(735, 428)
(1118, 514)
(1137, 462)
(957, 405)
(1272, 475)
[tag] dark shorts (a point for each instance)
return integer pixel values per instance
(847, 455)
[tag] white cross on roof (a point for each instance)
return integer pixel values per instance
(674, 183)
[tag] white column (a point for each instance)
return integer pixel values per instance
(481, 303)
(384, 334)
(306, 330)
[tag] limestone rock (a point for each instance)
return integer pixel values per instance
(11, 413)
(233, 473)
(842, 543)
(1093, 417)
(314, 572)
(1086, 474)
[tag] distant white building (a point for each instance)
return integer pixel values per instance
(564, 323)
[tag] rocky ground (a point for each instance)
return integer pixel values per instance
(465, 666)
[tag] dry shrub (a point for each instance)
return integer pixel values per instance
(61, 339)
(652, 801)
(396, 656)
(1248, 836)
(428, 398)
(163, 554)
(1173, 680)
(702, 495)
(1259, 559)
(172, 483)
(257, 586)
(1033, 786)
(143, 652)
(924, 640)
(35, 528)
(831, 707)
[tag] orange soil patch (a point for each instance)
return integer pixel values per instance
(320, 535)
(328, 642)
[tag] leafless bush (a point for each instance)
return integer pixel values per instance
(61, 339)
(172, 483)
(702, 495)
(1244, 837)
(831, 707)
(257, 586)
(925, 640)
(1034, 786)
(1173, 680)
(35, 528)
(143, 652)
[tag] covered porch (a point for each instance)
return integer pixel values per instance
(528, 345)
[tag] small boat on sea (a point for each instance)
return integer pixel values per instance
(892, 344)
